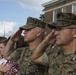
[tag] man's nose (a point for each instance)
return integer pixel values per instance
(56, 32)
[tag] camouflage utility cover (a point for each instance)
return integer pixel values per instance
(63, 20)
(32, 23)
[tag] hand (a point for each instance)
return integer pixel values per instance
(16, 36)
(5, 67)
(50, 39)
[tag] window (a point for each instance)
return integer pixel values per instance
(74, 8)
(55, 15)
(64, 9)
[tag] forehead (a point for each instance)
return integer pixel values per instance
(1, 44)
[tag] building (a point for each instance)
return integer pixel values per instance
(51, 8)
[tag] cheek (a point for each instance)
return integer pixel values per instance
(29, 37)
(1, 48)
(67, 37)
(32, 36)
(2, 51)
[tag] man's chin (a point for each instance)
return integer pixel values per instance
(25, 40)
(58, 44)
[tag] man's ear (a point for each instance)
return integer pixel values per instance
(74, 33)
(39, 33)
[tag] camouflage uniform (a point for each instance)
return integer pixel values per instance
(60, 63)
(22, 55)
(26, 66)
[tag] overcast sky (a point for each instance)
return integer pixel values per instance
(14, 13)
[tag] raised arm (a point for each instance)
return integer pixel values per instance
(10, 45)
(39, 52)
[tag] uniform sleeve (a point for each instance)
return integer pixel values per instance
(15, 55)
(45, 59)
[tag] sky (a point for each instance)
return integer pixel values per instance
(14, 13)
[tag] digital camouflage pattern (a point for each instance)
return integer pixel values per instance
(32, 23)
(45, 59)
(26, 66)
(60, 64)
(63, 20)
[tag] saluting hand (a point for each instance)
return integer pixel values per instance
(50, 39)
(16, 36)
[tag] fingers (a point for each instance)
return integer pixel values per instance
(16, 36)
(50, 38)
(51, 35)
(17, 33)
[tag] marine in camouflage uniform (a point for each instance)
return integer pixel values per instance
(62, 57)
(22, 55)
(60, 63)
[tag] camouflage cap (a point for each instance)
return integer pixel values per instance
(32, 23)
(63, 20)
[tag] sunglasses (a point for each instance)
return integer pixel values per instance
(63, 28)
